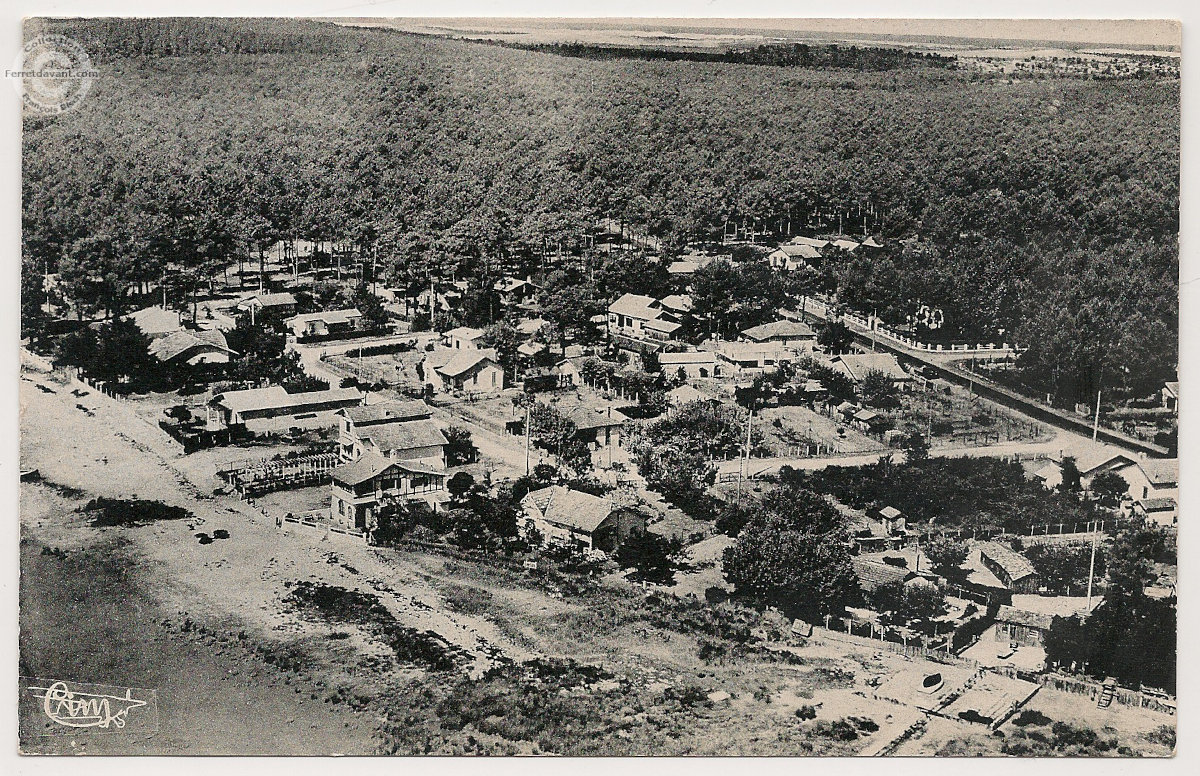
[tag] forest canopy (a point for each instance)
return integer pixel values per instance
(1044, 212)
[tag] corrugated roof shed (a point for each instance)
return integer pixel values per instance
(873, 573)
(1015, 616)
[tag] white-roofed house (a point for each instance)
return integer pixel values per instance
(1154, 488)
(400, 430)
(278, 305)
(463, 338)
(325, 324)
(1090, 462)
(695, 364)
(463, 370)
(857, 366)
(792, 335)
(360, 487)
(156, 322)
(789, 258)
(192, 347)
(750, 358)
(274, 409)
(644, 317)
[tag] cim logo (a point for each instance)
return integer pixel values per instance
(56, 707)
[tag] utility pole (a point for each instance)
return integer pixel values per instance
(1096, 424)
(1092, 568)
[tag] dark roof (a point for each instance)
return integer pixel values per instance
(409, 435)
(281, 299)
(180, 342)
(1157, 504)
(371, 465)
(569, 508)
(388, 411)
(1160, 471)
(1014, 564)
(873, 573)
(1021, 617)
(586, 418)
(463, 361)
(779, 329)
(365, 468)
(858, 365)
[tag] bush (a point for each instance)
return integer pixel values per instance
(806, 712)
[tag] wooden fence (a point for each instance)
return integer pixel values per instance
(309, 520)
(256, 478)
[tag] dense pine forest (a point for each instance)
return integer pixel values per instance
(1044, 211)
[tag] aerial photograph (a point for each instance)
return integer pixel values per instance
(598, 387)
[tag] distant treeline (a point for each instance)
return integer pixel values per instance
(777, 55)
(107, 40)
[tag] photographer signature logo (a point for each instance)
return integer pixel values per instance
(73, 707)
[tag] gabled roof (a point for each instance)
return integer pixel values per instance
(1160, 471)
(388, 412)
(865, 415)
(1093, 459)
(569, 508)
(685, 394)
(779, 330)
(873, 573)
(275, 397)
(1017, 566)
(460, 362)
(679, 302)
(328, 316)
(1157, 504)
(371, 465)
(281, 299)
(408, 435)
(464, 332)
(530, 349)
(870, 242)
(891, 513)
(1171, 388)
(846, 245)
(180, 342)
(367, 467)
(801, 251)
(587, 418)
(636, 306)
(810, 241)
(857, 365)
(751, 351)
(156, 320)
